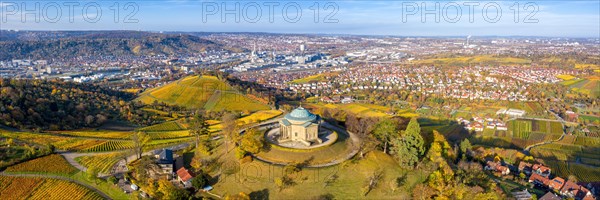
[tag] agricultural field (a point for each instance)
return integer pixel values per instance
(480, 59)
(364, 110)
(43, 188)
(588, 86)
(525, 128)
(582, 172)
(105, 134)
(234, 101)
(110, 146)
(259, 116)
(310, 79)
(103, 162)
(160, 135)
(51, 164)
(59, 142)
(166, 126)
(201, 92)
(565, 77)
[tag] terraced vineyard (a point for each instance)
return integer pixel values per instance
(43, 188)
(582, 172)
(103, 163)
(60, 142)
(202, 92)
(97, 134)
(168, 134)
(110, 146)
(166, 126)
(52, 164)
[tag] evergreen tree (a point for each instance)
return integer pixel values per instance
(409, 147)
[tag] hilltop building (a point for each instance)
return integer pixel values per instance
(300, 126)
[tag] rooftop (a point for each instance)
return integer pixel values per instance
(300, 114)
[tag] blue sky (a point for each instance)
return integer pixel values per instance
(405, 18)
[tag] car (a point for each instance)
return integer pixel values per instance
(134, 187)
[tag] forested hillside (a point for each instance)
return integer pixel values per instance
(117, 43)
(40, 104)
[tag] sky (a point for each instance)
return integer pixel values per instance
(402, 18)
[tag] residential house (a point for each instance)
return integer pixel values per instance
(538, 179)
(556, 183)
(550, 196)
(522, 195)
(165, 160)
(525, 168)
(185, 177)
(541, 170)
(497, 167)
(571, 189)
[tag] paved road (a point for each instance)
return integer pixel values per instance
(61, 178)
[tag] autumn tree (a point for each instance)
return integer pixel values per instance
(140, 139)
(199, 126)
(465, 147)
(252, 141)
(384, 131)
(229, 129)
(169, 191)
(409, 147)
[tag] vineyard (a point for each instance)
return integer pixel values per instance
(53, 164)
(110, 146)
(59, 142)
(520, 128)
(43, 188)
(582, 172)
(202, 92)
(103, 163)
(169, 134)
(96, 134)
(167, 126)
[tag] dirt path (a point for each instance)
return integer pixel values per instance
(61, 178)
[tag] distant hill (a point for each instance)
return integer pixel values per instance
(207, 92)
(47, 45)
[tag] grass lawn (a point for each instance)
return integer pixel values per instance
(352, 176)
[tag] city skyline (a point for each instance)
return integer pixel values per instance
(396, 18)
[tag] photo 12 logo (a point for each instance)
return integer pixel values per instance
(452, 12)
(254, 12)
(70, 11)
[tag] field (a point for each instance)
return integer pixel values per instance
(565, 77)
(310, 79)
(586, 66)
(259, 116)
(107, 134)
(533, 129)
(360, 109)
(53, 164)
(582, 172)
(482, 59)
(110, 146)
(159, 135)
(43, 188)
(103, 162)
(167, 126)
(588, 86)
(201, 92)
